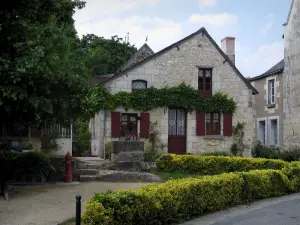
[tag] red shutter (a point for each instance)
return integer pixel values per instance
(200, 123)
(144, 125)
(115, 124)
(227, 124)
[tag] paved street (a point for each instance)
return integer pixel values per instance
(277, 211)
(50, 204)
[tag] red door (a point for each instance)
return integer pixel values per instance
(177, 131)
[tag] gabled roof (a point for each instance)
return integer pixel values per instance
(288, 18)
(202, 31)
(278, 68)
(144, 52)
(99, 79)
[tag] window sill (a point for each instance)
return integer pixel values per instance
(271, 105)
(213, 137)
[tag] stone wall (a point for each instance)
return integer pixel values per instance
(175, 66)
(291, 123)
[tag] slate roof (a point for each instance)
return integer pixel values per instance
(98, 79)
(278, 68)
(144, 52)
(202, 31)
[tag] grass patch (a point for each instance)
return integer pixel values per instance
(174, 176)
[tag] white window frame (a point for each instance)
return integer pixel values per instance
(271, 99)
(269, 130)
(266, 129)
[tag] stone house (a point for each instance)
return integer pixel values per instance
(197, 61)
(268, 106)
(277, 105)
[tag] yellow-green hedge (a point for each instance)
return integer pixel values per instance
(212, 165)
(179, 200)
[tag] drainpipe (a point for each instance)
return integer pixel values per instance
(104, 132)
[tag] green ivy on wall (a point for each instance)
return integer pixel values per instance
(181, 96)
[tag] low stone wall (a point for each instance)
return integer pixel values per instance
(127, 151)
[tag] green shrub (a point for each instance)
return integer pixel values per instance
(217, 154)
(292, 171)
(211, 165)
(24, 163)
(261, 151)
(260, 184)
(178, 200)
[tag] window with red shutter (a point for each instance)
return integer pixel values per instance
(115, 124)
(227, 124)
(200, 123)
(144, 125)
(212, 123)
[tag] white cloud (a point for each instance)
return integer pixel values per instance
(253, 63)
(205, 3)
(264, 30)
(214, 19)
(160, 32)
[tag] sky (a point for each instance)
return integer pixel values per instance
(257, 25)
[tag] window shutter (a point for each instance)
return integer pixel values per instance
(200, 123)
(144, 125)
(227, 124)
(115, 124)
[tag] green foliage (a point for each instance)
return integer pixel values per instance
(82, 136)
(149, 155)
(24, 163)
(106, 55)
(211, 165)
(217, 154)
(238, 134)
(183, 96)
(260, 184)
(108, 150)
(48, 140)
(176, 201)
(261, 151)
(174, 176)
(27, 145)
(292, 171)
(42, 69)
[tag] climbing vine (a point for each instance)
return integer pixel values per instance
(182, 96)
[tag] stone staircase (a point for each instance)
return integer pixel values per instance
(108, 171)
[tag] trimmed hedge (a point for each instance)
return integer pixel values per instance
(212, 165)
(180, 200)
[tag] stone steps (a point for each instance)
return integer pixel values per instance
(88, 171)
(121, 176)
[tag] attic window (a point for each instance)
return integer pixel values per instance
(138, 85)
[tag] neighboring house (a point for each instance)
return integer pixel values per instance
(198, 61)
(277, 106)
(268, 105)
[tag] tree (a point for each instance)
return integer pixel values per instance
(43, 76)
(106, 55)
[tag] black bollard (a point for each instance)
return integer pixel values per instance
(78, 209)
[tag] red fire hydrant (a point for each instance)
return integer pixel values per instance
(68, 166)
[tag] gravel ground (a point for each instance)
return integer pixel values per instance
(50, 204)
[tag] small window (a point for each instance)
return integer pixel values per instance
(212, 123)
(129, 125)
(205, 82)
(271, 91)
(139, 85)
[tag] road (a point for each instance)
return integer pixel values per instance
(277, 211)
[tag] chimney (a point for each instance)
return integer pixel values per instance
(228, 47)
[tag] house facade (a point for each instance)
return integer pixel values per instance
(199, 62)
(277, 106)
(291, 84)
(268, 106)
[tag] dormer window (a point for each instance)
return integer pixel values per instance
(138, 85)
